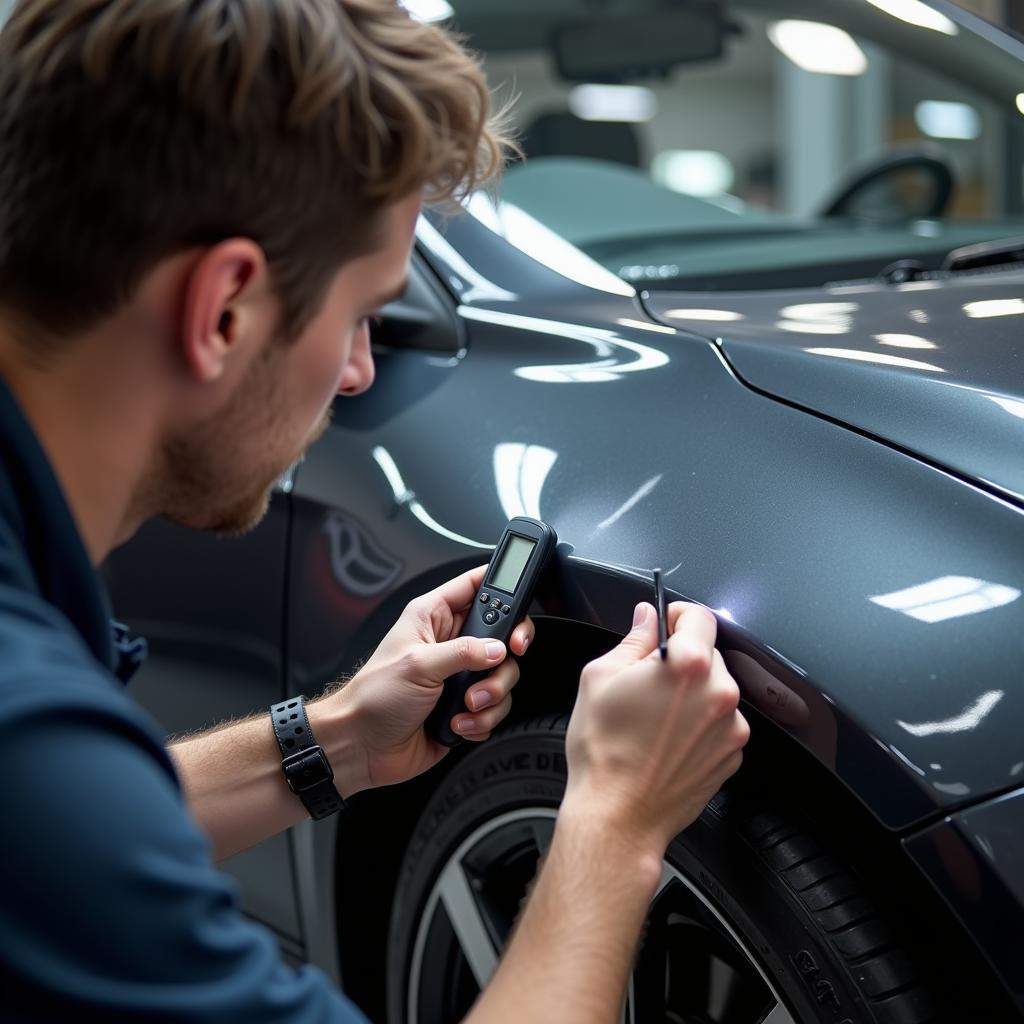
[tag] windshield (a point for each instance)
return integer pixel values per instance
(762, 143)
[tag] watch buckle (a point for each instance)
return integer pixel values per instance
(306, 769)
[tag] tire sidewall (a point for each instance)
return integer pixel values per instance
(526, 768)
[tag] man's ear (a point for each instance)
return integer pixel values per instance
(223, 285)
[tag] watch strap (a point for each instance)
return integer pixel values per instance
(306, 769)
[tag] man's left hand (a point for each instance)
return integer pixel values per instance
(388, 699)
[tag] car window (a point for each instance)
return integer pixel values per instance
(822, 134)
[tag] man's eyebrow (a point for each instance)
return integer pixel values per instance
(392, 295)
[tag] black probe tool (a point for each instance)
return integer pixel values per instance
(659, 604)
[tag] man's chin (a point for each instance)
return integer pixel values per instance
(234, 521)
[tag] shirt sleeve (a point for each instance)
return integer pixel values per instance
(112, 908)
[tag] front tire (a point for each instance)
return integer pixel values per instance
(755, 922)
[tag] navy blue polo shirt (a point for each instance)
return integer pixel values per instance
(111, 907)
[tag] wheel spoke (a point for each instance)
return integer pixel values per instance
(468, 923)
(779, 1015)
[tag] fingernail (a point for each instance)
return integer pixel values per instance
(465, 725)
(640, 615)
(494, 649)
(479, 699)
(526, 642)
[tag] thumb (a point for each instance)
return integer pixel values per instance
(638, 642)
(444, 659)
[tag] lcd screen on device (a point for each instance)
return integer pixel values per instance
(512, 563)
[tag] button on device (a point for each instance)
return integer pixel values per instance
(505, 609)
(490, 616)
(496, 603)
(485, 598)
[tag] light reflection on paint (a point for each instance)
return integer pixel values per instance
(545, 246)
(882, 358)
(480, 288)
(723, 315)
(904, 341)
(947, 597)
(405, 497)
(817, 317)
(608, 347)
(994, 307)
(643, 325)
(1013, 406)
(637, 496)
(519, 472)
(970, 718)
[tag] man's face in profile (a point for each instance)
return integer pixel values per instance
(219, 475)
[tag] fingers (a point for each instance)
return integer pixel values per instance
(458, 593)
(478, 726)
(494, 688)
(635, 645)
(522, 636)
(441, 660)
(693, 621)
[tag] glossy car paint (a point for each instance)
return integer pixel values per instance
(639, 443)
(933, 366)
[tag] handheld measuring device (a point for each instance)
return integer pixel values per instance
(499, 606)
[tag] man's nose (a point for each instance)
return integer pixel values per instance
(359, 373)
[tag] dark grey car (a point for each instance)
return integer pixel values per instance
(805, 403)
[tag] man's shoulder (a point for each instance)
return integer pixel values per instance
(47, 674)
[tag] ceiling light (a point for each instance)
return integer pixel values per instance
(823, 49)
(635, 103)
(942, 120)
(914, 12)
(695, 172)
(428, 10)
(1020, 102)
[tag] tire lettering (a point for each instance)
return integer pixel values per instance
(820, 987)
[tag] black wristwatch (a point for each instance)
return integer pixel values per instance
(306, 769)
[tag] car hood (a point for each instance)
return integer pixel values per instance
(933, 367)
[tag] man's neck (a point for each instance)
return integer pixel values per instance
(95, 431)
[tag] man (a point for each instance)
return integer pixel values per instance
(201, 203)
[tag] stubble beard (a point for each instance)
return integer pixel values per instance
(219, 475)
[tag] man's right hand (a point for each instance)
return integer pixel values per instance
(651, 741)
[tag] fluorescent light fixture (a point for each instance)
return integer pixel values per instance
(696, 172)
(914, 12)
(1020, 102)
(635, 103)
(428, 10)
(942, 120)
(904, 341)
(823, 49)
(994, 307)
(947, 597)
(723, 315)
(881, 358)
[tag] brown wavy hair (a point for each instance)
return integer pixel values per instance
(134, 129)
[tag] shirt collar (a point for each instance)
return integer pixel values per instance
(37, 513)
